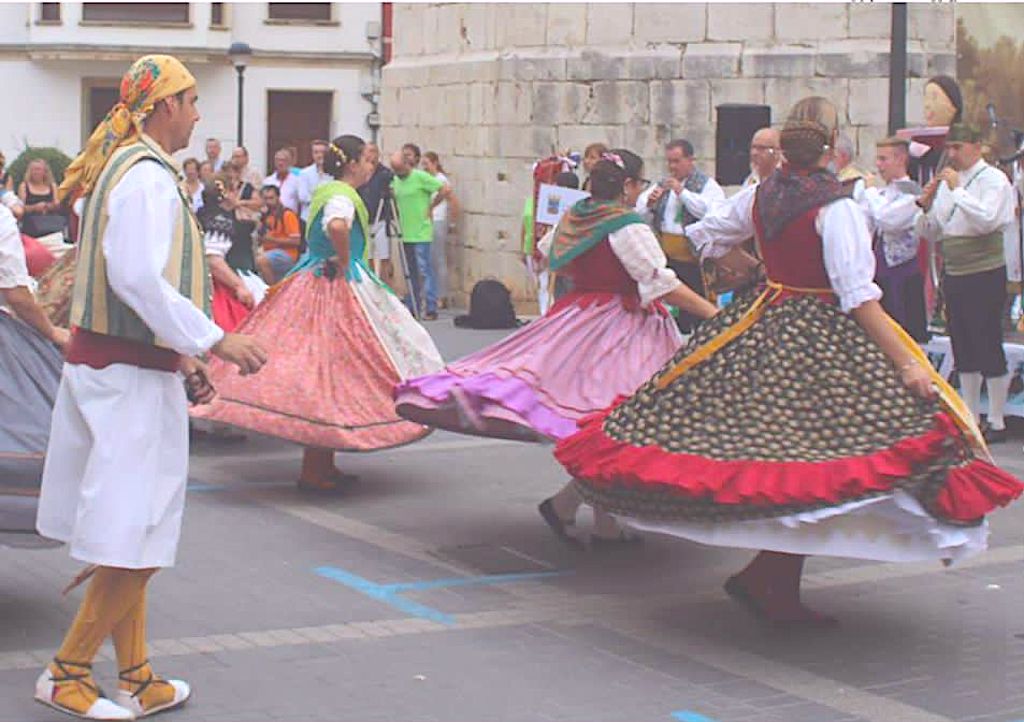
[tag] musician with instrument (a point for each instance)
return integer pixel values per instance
(964, 209)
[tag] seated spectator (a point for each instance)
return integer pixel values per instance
(279, 237)
(38, 193)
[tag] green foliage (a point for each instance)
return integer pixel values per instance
(57, 160)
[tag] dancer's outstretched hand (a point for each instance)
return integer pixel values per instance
(244, 352)
(916, 378)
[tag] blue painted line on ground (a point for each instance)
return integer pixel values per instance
(470, 581)
(203, 486)
(688, 716)
(382, 594)
(391, 593)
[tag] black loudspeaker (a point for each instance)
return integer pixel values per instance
(737, 123)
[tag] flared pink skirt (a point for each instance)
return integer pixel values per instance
(336, 349)
(537, 383)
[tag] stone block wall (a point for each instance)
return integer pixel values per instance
(492, 87)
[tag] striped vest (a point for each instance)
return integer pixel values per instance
(94, 305)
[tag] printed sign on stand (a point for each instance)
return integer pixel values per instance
(553, 201)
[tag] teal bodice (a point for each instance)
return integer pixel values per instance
(319, 249)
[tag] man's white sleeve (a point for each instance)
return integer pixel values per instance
(143, 209)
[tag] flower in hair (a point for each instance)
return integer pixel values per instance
(614, 158)
(340, 153)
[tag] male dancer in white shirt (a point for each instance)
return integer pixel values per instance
(114, 481)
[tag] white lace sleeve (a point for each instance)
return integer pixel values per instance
(13, 270)
(640, 254)
(338, 207)
(849, 261)
(216, 244)
(728, 223)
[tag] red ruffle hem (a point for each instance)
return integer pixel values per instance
(972, 489)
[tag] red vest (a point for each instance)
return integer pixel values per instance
(795, 257)
(600, 271)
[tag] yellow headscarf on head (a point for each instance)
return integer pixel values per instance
(150, 79)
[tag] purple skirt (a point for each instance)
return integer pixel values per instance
(537, 383)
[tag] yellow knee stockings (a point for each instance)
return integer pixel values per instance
(115, 598)
(136, 675)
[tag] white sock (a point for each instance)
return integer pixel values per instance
(998, 390)
(970, 391)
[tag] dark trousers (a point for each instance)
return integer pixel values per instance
(903, 299)
(974, 312)
(690, 275)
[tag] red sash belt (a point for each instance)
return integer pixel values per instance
(97, 350)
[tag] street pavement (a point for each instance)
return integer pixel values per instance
(433, 592)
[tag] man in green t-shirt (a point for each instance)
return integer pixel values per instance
(416, 194)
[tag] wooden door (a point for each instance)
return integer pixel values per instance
(100, 100)
(295, 118)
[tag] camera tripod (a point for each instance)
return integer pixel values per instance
(392, 232)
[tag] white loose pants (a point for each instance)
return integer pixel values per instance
(117, 465)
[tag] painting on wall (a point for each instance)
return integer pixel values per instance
(990, 69)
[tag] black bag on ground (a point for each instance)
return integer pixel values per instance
(490, 307)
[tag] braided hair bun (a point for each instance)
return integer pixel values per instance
(804, 142)
(809, 131)
(341, 151)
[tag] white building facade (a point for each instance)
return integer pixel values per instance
(311, 72)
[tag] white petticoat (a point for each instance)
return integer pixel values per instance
(889, 528)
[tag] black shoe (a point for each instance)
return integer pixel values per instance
(430, 316)
(558, 525)
(994, 436)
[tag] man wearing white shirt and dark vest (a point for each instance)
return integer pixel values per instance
(964, 209)
(891, 212)
(679, 200)
(114, 481)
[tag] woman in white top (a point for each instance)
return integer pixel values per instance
(801, 419)
(30, 351)
(339, 340)
(442, 224)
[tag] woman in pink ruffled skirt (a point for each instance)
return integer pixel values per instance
(596, 344)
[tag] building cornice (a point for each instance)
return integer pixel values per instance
(216, 56)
